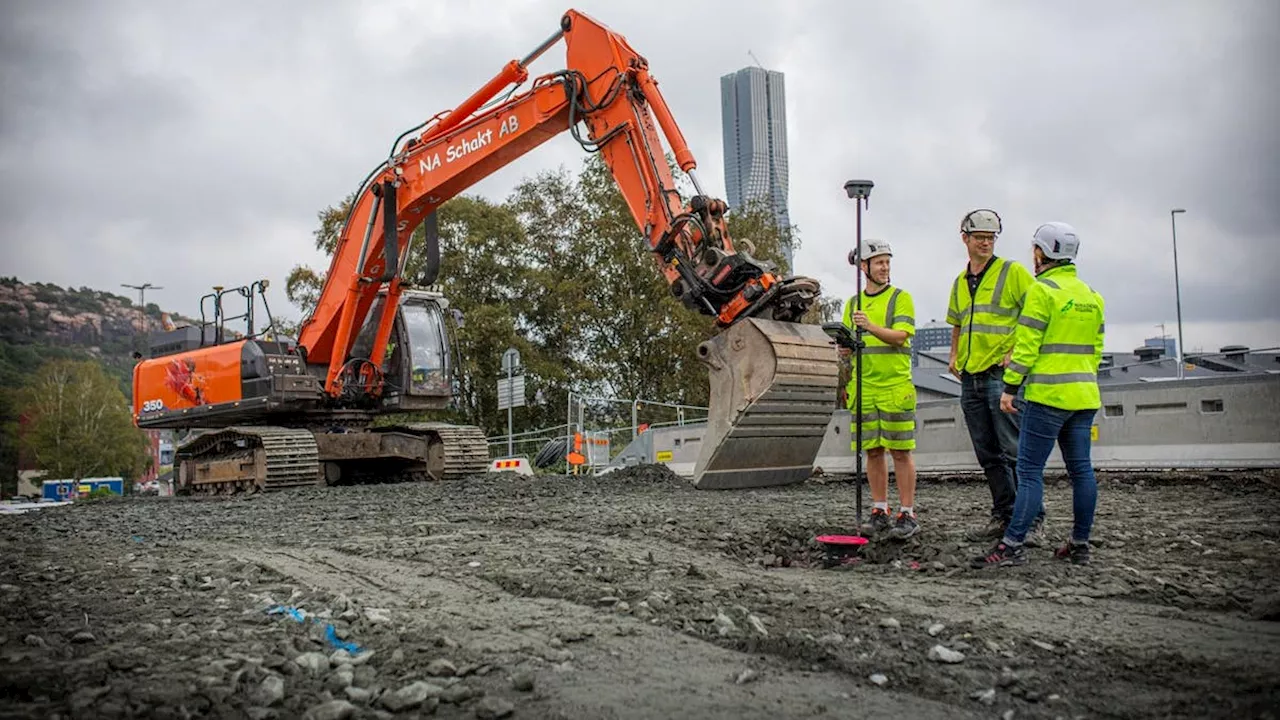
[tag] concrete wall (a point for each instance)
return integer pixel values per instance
(1212, 423)
(1219, 422)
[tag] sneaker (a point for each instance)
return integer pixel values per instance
(1000, 556)
(905, 527)
(879, 521)
(1077, 553)
(1033, 535)
(993, 530)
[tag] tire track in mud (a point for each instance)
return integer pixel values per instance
(619, 667)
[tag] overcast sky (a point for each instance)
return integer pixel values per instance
(192, 144)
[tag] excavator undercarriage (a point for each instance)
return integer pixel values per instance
(249, 459)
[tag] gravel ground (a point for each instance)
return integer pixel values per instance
(634, 596)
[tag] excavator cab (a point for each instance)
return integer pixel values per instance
(418, 366)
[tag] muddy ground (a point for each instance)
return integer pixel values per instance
(634, 596)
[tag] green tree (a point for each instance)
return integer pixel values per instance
(79, 423)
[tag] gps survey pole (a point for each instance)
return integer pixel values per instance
(860, 192)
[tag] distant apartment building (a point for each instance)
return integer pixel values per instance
(754, 118)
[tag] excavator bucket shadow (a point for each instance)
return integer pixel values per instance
(773, 389)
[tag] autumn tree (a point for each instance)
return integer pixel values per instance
(79, 425)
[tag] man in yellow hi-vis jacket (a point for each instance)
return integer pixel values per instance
(1055, 360)
(888, 410)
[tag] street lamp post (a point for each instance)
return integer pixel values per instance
(1177, 288)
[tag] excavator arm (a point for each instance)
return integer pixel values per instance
(607, 86)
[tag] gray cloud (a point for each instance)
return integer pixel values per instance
(192, 145)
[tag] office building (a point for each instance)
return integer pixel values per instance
(754, 119)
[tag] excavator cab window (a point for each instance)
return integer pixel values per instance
(427, 359)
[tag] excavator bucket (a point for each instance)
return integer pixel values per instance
(773, 389)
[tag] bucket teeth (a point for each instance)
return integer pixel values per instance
(773, 388)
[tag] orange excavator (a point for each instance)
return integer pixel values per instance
(274, 414)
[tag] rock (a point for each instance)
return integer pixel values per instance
(340, 679)
(313, 662)
(332, 710)
(362, 658)
(1042, 645)
(257, 713)
(831, 639)
(891, 623)
(491, 707)
(84, 636)
(878, 679)
(270, 691)
(522, 681)
(1007, 678)
(34, 641)
(745, 676)
(1008, 715)
(457, 694)
(363, 676)
(936, 628)
(986, 697)
(724, 624)
(938, 653)
(378, 616)
(441, 668)
(340, 657)
(357, 694)
(757, 624)
(397, 656)
(411, 696)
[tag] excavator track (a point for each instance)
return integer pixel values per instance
(466, 449)
(240, 460)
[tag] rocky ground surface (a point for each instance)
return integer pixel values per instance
(634, 596)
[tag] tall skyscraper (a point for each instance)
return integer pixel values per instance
(753, 114)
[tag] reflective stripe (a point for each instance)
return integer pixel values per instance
(996, 309)
(902, 318)
(1050, 283)
(893, 302)
(1033, 323)
(908, 416)
(1068, 349)
(885, 350)
(998, 292)
(898, 434)
(1019, 368)
(954, 317)
(872, 417)
(1061, 378)
(993, 329)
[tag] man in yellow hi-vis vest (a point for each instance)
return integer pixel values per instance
(1055, 363)
(986, 298)
(887, 319)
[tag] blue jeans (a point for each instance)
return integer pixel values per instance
(1042, 427)
(994, 435)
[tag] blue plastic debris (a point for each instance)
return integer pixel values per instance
(330, 634)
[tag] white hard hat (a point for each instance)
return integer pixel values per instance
(875, 248)
(981, 221)
(1057, 240)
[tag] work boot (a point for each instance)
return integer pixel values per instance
(1000, 556)
(993, 530)
(905, 527)
(879, 522)
(1077, 553)
(1033, 535)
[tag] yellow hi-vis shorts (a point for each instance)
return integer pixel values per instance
(888, 418)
